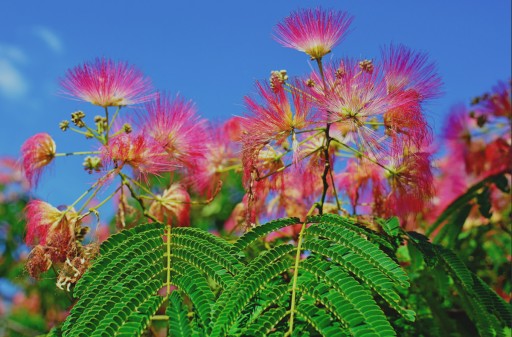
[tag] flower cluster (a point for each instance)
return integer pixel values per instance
(477, 144)
(349, 137)
(164, 138)
(298, 132)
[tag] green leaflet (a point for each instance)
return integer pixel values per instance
(178, 319)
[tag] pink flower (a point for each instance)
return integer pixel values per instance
(353, 99)
(499, 102)
(407, 121)
(174, 124)
(173, 206)
(37, 152)
(107, 83)
(274, 118)
(361, 181)
(411, 183)
(221, 152)
(48, 225)
(141, 152)
(406, 70)
(313, 31)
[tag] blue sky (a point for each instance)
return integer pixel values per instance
(213, 51)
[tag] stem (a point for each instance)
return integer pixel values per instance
(88, 200)
(79, 131)
(296, 270)
(108, 129)
(77, 153)
(327, 167)
(137, 197)
(95, 208)
(321, 69)
(109, 126)
(334, 191)
(160, 318)
(82, 196)
(168, 246)
(87, 191)
(142, 187)
(300, 143)
(310, 130)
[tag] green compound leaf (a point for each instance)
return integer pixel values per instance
(118, 293)
(489, 312)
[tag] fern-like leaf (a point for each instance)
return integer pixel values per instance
(117, 292)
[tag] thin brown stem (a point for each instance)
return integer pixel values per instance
(327, 165)
(126, 182)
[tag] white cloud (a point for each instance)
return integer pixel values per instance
(49, 38)
(13, 53)
(13, 84)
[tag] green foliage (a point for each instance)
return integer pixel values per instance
(349, 283)
(488, 312)
(117, 294)
(340, 289)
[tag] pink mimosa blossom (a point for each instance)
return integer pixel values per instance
(37, 152)
(274, 119)
(498, 103)
(353, 99)
(221, 155)
(406, 70)
(45, 222)
(361, 181)
(313, 31)
(141, 152)
(407, 121)
(173, 206)
(107, 83)
(411, 183)
(175, 125)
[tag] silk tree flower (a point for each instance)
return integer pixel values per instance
(273, 118)
(221, 152)
(406, 70)
(174, 124)
(361, 181)
(498, 102)
(313, 31)
(173, 206)
(107, 83)
(411, 183)
(139, 151)
(354, 98)
(51, 228)
(37, 152)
